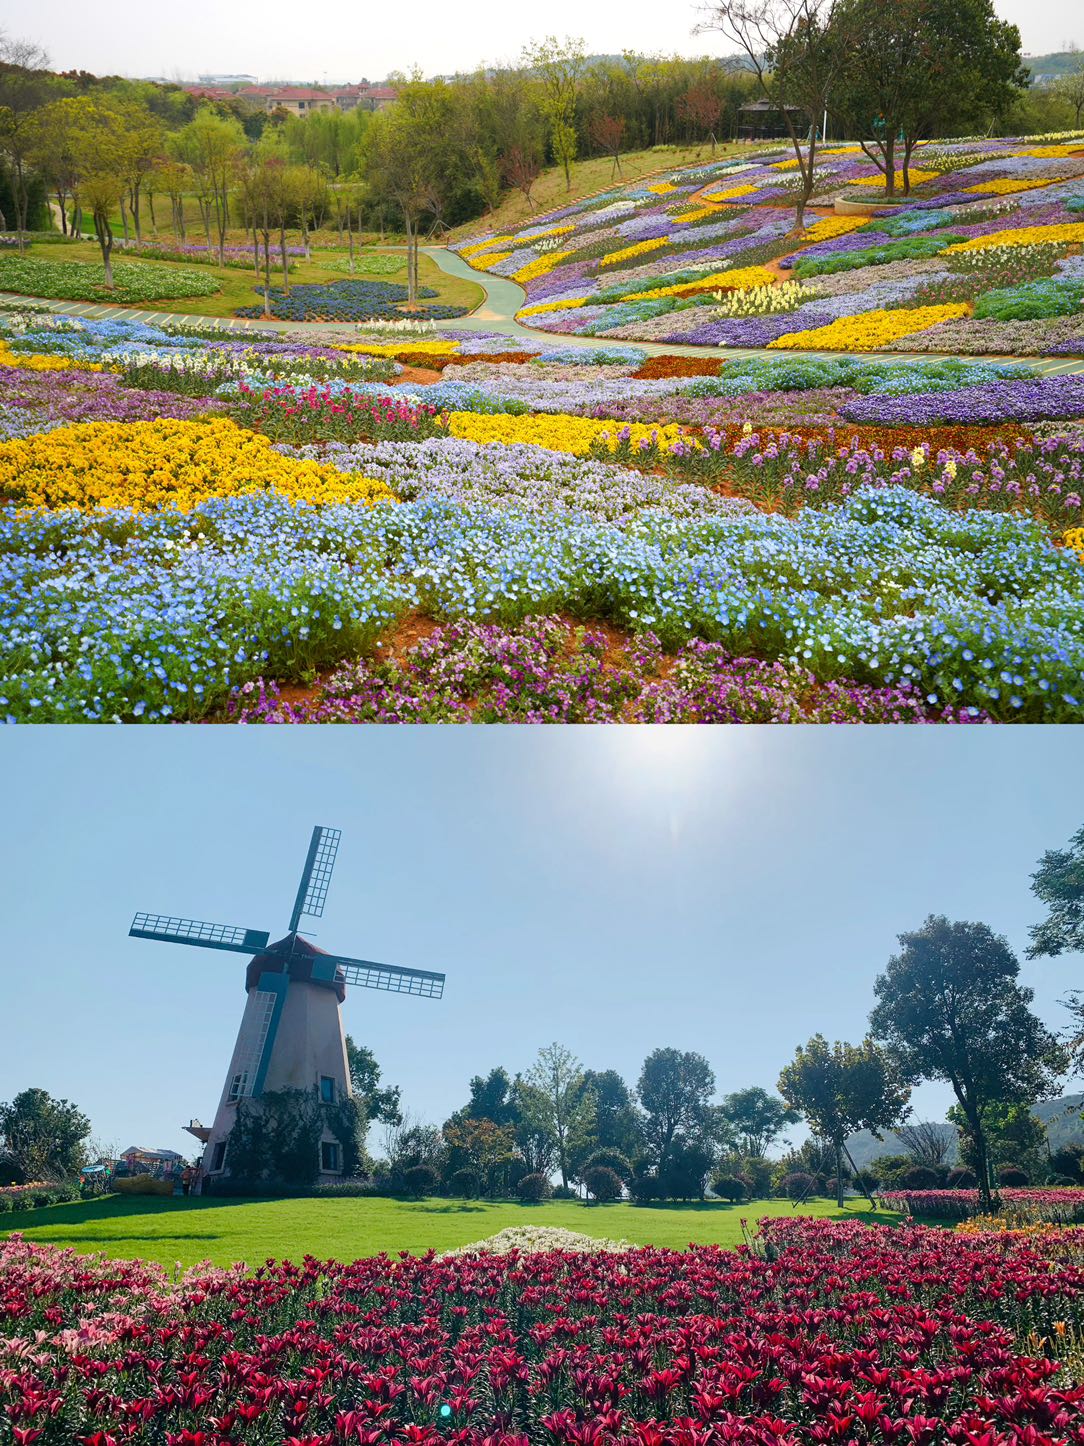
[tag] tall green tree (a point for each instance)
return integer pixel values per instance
(950, 1007)
(1058, 883)
(25, 86)
(44, 1138)
(919, 67)
(376, 1101)
(756, 1118)
(554, 1102)
(674, 1090)
(213, 147)
(840, 1088)
(558, 66)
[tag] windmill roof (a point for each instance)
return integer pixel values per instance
(274, 960)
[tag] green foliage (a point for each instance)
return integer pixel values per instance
(729, 1187)
(603, 1184)
(275, 1139)
(1032, 301)
(949, 1007)
(908, 248)
(135, 281)
(1058, 883)
(675, 1091)
(421, 1180)
(42, 1138)
(534, 1187)
(757, 1118)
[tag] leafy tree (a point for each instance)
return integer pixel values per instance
(757, 1118)
(917, 66)
(603, 1184)
(554, 1102)
(559, 64)
(1058, 882)
(617, 1122)
(701, 106)
(841, 1088)
(43, 1138)
(1013, 1135)
(375, 1102)
(485, 1148)
(686, 1170)
(675, 1090)
(492, 1097)
(213, 146)
(1070, 89)
(607, 132)
(949, 1007)
(410, 1142)
(102, 148)
(926, 1141)
(25, 85)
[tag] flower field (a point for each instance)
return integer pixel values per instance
(413, 523)
(982, 255)
(1063, 1205)
(816, 1332)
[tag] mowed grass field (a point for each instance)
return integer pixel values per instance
(238, 287)
(223, 1232)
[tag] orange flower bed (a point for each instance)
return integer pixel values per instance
(437, 361)
(677, 366)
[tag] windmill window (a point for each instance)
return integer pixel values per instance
(218, 1157)
(327, 1089)
(237, 1086)
(329, 1155)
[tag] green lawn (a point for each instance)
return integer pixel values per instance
(253, 1230)
(237, 287)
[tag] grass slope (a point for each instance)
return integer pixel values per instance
(223, 1232)
(590, 177)
(238, 288)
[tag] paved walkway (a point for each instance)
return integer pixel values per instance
(498, 313)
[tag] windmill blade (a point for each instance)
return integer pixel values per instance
(316, 875)
(171, 930)
(365, 974)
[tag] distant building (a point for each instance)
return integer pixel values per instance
(762, 120)
(299, 100)
(136, 1160)
(227, 80)
(364, 96)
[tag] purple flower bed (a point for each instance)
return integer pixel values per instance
(1038, 400)
(752, 330)
(545, 671)
(39, 401)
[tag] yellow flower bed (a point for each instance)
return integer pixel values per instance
(540, 266)
(402, 348)
(486, 245)
(628, 252)
(560, 433)
(568, 303)
(742, 278)
(165, 466)
(1052, 153)
(1068, 233)
(871, 329)
(917, 178)
(791, 165)
(829, 227)
(697, 215)
(33, 361)
(732, 194)
(1006, 185)
(843, 151)
(483, 263)
(662, 189)
(1074, 541)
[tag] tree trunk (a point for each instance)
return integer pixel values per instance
(63, 213)
(838, 1144)
(285, 263)
(21, 207)
(135, 214)
(105, 241)
(266, 267)
(408, 224)
(124, 218)
(890, 165)
(350, 239)
(255, 250)
(154, 219)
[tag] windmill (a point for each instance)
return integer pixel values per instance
(291, 1034)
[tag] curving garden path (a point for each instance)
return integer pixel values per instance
(497, 313)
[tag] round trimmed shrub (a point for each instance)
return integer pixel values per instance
(564, 1192)
(1012, 1175)
(921, 1177)
(797, 1184)
(420, 1180)
(613, 1160)
(644, 1188)
(463, 1184)
(962, 1179)
(534, 1187)
(603, 1184)
(730, 1187)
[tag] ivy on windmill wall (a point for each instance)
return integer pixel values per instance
(275, 1139)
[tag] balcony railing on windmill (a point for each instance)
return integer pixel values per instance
(198, 931)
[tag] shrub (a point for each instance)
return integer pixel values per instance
(536, 1187)
(644, 1188)
(564, 1192)
(613, 1160)
(1068, 1161)
(756, 1172)
(797, 1184)
(962, 1179)
(463, 1183)
(1012, 1175)
(603, 1184)
(730, 1187)
(143, 1185)
(867, 1181)
(921, 1177)
(420, 1180)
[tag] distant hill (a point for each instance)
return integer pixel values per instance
(1045, 69)
(1063, 1119)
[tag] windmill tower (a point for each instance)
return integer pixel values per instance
(291, 1034)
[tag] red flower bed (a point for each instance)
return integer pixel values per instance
(825, 1333)
(1064, 1205)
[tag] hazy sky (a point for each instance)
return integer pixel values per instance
(725, 890)
(344, 41)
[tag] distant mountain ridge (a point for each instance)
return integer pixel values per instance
(1062, 1118)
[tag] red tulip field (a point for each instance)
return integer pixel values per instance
(815, 1332)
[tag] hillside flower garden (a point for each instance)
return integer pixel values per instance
(786, 519)
(814, 1332)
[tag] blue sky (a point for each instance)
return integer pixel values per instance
(731, 891)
